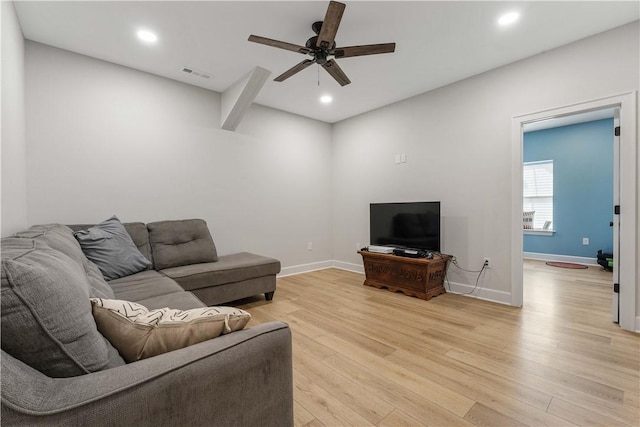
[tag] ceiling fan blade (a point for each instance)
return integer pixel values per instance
(282, 45)
(293, 70)
(330, 25)
(336, 72)
(368, 49)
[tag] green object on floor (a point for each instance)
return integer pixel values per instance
(610, 262)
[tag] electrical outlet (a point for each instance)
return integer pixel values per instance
(358, 247)
(487, 263)
(585, 241)
(310, 246)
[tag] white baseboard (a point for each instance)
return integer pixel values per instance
(637, 325)
(305, 268)
(452, 287)
(500, 297)
(354, 268)
(560, 258)
(320, 265)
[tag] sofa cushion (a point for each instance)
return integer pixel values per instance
(181, 300)
(143, 285)
(56, 236)
(111, 248)
(184, 242)
(60, 237)
(228, 269)
(138, 332)
(46, 312)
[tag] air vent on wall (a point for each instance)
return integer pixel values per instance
(197, 73)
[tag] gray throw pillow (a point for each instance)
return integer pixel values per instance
(111, 248)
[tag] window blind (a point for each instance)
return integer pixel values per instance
(538, 191)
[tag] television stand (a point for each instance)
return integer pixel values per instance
(418, 277)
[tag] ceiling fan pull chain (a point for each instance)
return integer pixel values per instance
(318, 75)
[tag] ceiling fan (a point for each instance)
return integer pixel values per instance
(323, 45)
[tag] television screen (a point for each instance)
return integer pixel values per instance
(413, 225)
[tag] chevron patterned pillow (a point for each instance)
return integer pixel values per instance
(527, 219)
(137, 332)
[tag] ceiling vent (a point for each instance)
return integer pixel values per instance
(196, 73)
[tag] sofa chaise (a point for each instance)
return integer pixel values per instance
(184, 251)
(58, 370)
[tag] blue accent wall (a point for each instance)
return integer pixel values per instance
(582, 157)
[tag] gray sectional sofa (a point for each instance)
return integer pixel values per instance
(184, 251)
(57, 369)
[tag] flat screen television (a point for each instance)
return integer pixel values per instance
(413, 225)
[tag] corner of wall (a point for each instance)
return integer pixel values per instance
(13, 164)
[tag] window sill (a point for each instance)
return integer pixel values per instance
(539, 232)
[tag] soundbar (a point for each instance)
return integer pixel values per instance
(413, 253)
(410, 253)
(380, 249)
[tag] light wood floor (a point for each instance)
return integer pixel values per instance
(365, 356)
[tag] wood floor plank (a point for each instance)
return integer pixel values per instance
(578, 415)
(362, 401)
(334, 327)
(301, 416)
(550, 357)
(301, 340)
(321, 403)
(612, 356)
(367, 356)
(315, 423)
(512, 399)
(448, 399)
(484, 416)
(413, 404)
(610, 408)
(398, 418)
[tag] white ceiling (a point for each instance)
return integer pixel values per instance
(437, 43)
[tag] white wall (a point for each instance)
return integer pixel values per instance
(457, 139)
(13, 216)
(104, 139)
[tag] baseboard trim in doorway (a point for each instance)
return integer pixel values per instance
(560, 258)
(491, 295)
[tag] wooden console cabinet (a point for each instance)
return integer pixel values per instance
(418, 277)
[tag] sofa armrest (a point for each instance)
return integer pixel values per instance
(244, 378)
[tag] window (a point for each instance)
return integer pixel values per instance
(538, 192)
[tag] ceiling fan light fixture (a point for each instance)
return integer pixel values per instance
(147, 36)
(508, 19)
(323, 45)
(326, 99)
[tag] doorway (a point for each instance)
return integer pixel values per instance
(625, 258)
(569, 193)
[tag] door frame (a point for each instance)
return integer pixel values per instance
(626, 102)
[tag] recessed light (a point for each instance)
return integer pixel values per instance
(326, 99)
(508, 18)
(147, 36)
